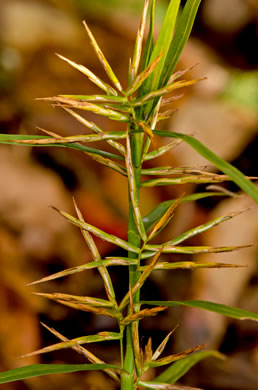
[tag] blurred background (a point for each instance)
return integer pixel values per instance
(35, 241)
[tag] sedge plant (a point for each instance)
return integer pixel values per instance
(152, 84)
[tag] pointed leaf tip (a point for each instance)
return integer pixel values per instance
(134, 65)
(92, 77)
(102, 58)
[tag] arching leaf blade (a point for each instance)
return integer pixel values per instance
(162, 45)
(237, 176)
(228, 311)
(149, 41)
(178, 369)
(46, 369)
(150, 219)
(180, 38)
(9, 139)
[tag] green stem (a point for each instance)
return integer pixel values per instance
(127, 378)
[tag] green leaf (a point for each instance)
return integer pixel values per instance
(181, 367)
(150, 219)
(197, 179)
(92, 77)
(99, 233)
(133, 191)
(163, 386)
(9, 139)
(95, 338)
(97, 98)
(188, 265)
(180, 38)
(242, 90)
(228, 311)
(112, 113)
(167, 248)
(202, 228)
(102, 59)
(162, 45)
(149, 41)
(134, 66)
(56, 139)
(46, 369)
(90, 265)
(237, 176)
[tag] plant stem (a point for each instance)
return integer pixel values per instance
(127, 378)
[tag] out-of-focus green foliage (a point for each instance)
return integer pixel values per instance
(242, 90)
(102, 8)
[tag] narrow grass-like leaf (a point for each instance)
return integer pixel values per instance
(163, 386)
(99, 233)
(180, 73)
(96, 98)
(162, 150)
(109, 163)
(141, 280)
(228, 311)
(170, 99)
(145, 313)
(153, 122)
(89, 308)
(99, 337)
(148, 47)
(155, 114)
(148, 350)
(173, 358)
(87, 106)
(165, 90)
(76, 299)
(87, 149)
(10, 139)
(238, 177)
(181, 367)
(164, 219)
(162, 171)
(95, 79)
(96, 256)
(183, 30)
(83, 351)
(162, 346)
(162, 44)
(51, 133)
(138, 44)
(94, 128)
(216, 187)
(147, 129)
(189, 265)
(142, 77)
(133, 191)
(165, 115)
(102, 59)
(191, 249)
(197, 179)
(138, 354)
(202, 228)
(75, 138)
(85, 267)
(45, 369)
(87, 236)
(146, 147)
(150, 219)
